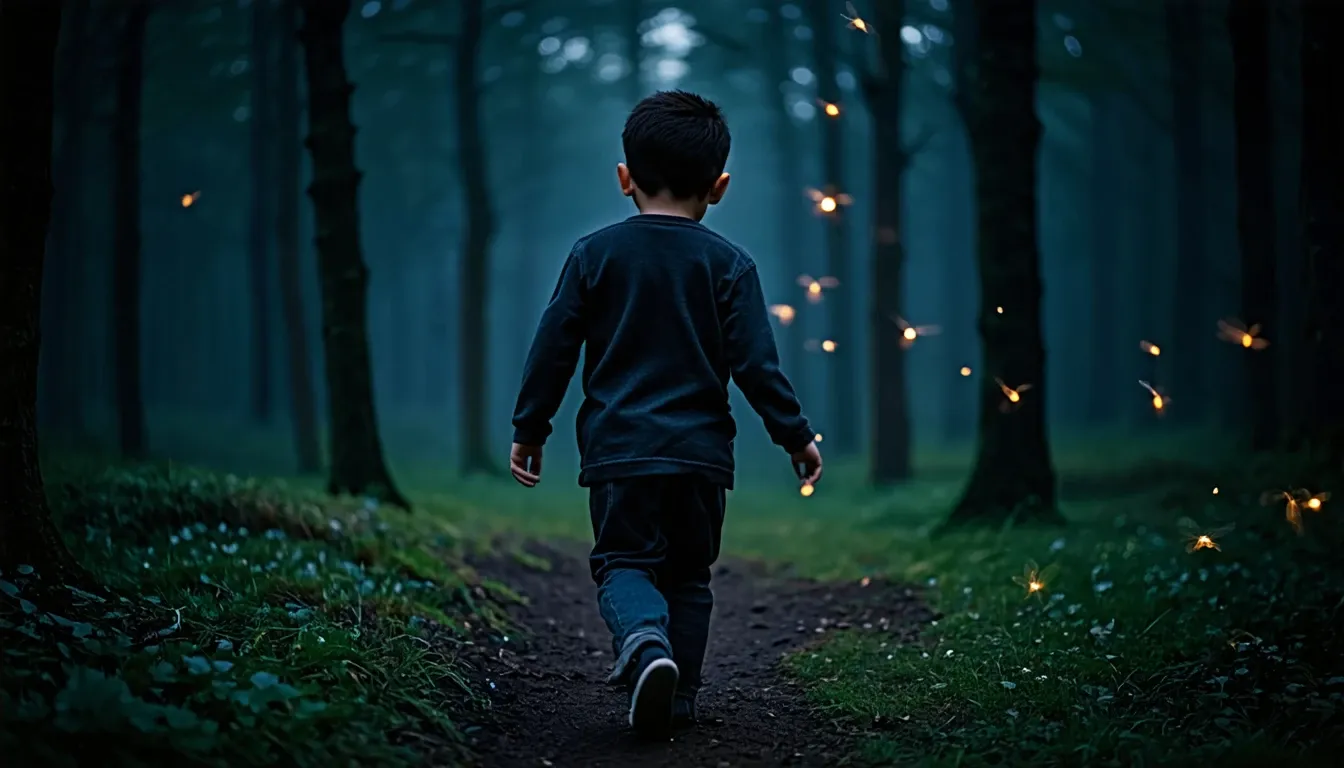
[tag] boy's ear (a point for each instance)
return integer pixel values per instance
(623, 178)
(719, 189)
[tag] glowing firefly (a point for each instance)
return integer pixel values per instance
(825, 345)
(817, 438)
(806, 490)
(190, 199)
(1292, 504)
(831, 110)
(1034, 579)
(998, 310)
(855, 20)
(783, 312)
(1159, 400)
(911, 332)
(965, 370)
(828, 201)
(816, 285)
(1215, 490)
(1012, 396)
(1317, 501)
(1234, 331)
(1150, 348)
(1197, 537)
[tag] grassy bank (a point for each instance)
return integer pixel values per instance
(252, 623)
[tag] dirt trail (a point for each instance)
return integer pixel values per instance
(553, 709)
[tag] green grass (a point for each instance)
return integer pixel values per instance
(253, 623)
(1137, 652)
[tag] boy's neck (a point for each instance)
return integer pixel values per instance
(663, 206)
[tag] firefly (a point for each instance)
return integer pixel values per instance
(1232, 330)
(828, 201)
(816, 285)
(783, 312)
(817, 438)
(965, 370)
(1197, 537)
(865, 581)
(855, 20)
(911, 332)
(1159, 400)
(1013, 395)
(1317, 502)
(998, 310)
(806, 490)
(831, 110)
(1034, 579)
(1215, 490)
(1292, 508)
(189, 199)
(1150, 348)
(826, 345)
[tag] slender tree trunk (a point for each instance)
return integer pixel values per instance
(958, 332)
(844, 393)
(1013, 478)
(890, 456)
(28, 39)
(302, 399)
(357, 463)
(62, 319)
(788, 198)
(260, 211)
(1105, 149)
(1189, 322)
(126, 277)
(1248, 25)
(473, 286)
(1322, 201)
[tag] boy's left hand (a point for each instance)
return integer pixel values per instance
(525, 464)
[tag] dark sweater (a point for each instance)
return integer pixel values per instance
(668, 310)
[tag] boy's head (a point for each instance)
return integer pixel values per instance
(676, 145)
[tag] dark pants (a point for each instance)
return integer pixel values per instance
(655, 539)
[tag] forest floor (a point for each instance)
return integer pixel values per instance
(296, 628)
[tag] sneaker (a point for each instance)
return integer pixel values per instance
(683, 713)
(651, 698)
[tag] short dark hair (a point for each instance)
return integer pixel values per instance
(676, 141)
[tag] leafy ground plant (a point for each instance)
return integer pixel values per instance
(247, 623)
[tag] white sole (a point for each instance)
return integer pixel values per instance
(651, 704)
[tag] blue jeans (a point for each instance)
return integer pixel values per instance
(655, 538)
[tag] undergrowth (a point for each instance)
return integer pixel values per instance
(247, 623)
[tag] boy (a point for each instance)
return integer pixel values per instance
(669, 310)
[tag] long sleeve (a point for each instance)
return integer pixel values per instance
(552, 358)
(754, 362)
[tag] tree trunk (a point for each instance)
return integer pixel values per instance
(473, 285)
(1105, 148)
(844, 380)
(28, 39)
(62, 318)
(788, 199)
(357, 463)
(1248, 26)
(126, 278)
(958, 332)
(260, 211)
(1322, 200)
(1013, 479)
(1189, 322)
(302, 400)
(890, 457)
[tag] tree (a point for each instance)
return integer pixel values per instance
(1104, 238)
(357, 463)
(475, 455)
(1184, 20)
(890, 457)
(1322, 199)
(61, 319)
(958, 331)
(28, 36)
(302, 399)
(1249, 22)
(126, 277)
(844, 379)
(1013, 479)
(260, 211)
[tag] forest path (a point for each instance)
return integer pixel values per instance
(553, 709)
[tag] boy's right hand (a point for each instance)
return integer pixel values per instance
(525, 464)
(807, 463)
